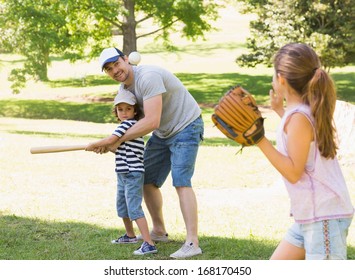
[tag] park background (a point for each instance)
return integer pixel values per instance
(62, 206)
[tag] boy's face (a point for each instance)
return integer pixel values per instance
(125, 111)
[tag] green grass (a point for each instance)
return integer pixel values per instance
(345, 83)
(35, 239)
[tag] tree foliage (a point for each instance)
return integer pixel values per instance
(38, 29)
(326, 25)
(74, 29)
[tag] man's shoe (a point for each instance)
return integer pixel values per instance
(155, 237)
(186, 251)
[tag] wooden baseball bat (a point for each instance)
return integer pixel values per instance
(56, 149)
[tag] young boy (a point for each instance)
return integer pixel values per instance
(130, 173)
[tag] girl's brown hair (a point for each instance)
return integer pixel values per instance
(301, 67)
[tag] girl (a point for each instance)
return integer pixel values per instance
(306, 157)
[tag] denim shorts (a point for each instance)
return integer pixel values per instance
(321, 240)
(129, 195)
(176, 154)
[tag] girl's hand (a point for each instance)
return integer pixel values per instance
(276, 102)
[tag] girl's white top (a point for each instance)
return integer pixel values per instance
(321, 193)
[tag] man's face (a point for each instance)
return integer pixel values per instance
(118, 70)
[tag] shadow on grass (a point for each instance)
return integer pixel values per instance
(34, 239)
(207, 89)
(50, 109)
(85, 81)
(193, 49)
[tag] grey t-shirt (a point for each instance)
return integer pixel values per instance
(179, 107)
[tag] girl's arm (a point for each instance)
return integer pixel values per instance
(299, 137)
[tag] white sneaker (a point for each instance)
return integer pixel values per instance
(155, 237)
(186, 251)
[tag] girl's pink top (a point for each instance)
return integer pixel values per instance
(321, 193)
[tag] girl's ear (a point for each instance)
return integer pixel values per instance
(281, 79)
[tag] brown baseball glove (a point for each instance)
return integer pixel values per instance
(239, 118)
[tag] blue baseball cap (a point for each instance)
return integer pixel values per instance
(109, 55)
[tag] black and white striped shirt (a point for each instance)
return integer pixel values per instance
(129, 156)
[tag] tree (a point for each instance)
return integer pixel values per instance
(74, 29)
(326, 25)
(38, 29)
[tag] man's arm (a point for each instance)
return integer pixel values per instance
(151, 121)
(110, 140)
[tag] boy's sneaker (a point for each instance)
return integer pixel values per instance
(155, 237)
(186, 251)
(145, 248)
(125, 239)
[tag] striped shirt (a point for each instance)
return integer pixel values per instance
(129, 155)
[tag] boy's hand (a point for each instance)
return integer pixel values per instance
(101, 150)
(90, 148)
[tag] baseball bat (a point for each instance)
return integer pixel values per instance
(56, 149)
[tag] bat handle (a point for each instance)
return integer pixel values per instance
(56, 149)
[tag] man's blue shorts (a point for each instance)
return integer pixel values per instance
(176, 154)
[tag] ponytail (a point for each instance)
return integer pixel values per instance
(320, 94)
(301, 67)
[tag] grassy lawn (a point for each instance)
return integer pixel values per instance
(47, 240)
(62, 206)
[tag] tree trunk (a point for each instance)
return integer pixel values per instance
(129, 28)
(41, 66)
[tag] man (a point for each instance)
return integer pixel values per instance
(174, 117)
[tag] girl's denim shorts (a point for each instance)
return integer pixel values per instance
(321, 240)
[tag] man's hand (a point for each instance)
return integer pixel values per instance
(112, 148)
